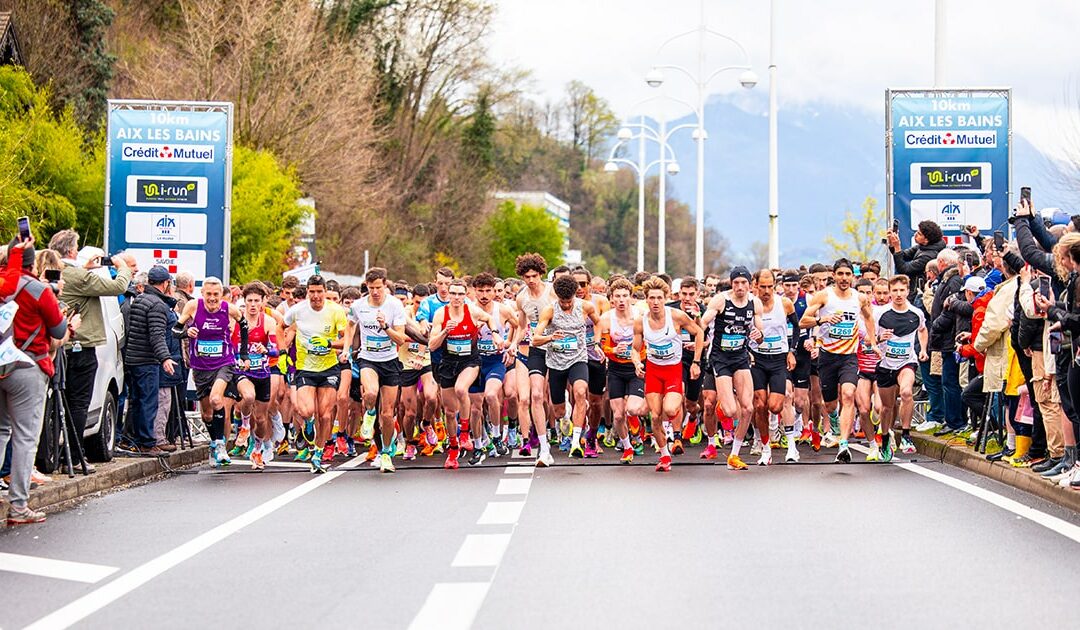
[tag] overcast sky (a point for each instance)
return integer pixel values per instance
(842, 51)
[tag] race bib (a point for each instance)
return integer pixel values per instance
(379, 343)
(771, 344)
(661, 351)
(842, 330)
(487, 346)
(317, 349)
(459, 347)
(209, 348)
(731, 343)
(897, 349)
(625, 354)
(566, 344)
(256, 361)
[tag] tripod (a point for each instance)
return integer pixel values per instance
(57, 433)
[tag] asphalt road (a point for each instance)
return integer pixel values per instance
(812, 545)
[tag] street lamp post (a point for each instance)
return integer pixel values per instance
(655, 78)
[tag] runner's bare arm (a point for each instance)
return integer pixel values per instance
(868, 320)
(539, 338)
(682, 320)
(716, 304)
(809, 316)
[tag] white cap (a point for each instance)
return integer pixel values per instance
(88, 253)
(975, 284)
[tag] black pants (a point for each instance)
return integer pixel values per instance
(81, 370)
(1038, 429)
(974, 399)
(1063, 361)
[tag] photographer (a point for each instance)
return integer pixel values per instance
(82, 291)
(146, 352)
(26, 377)
(912, 261)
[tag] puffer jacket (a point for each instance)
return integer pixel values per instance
(950, 284)
(148, 328)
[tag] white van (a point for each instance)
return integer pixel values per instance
(101, 419)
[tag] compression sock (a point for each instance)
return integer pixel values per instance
(217, 425)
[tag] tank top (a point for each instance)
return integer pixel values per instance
(562, 353)
(733, 326)
(617, 334)
(485, 343)
(259, 363)
(532, 307)
(663, 346)
(843, 336)
(590, 335)
(774, 339)
(212, 349)
(461, 340)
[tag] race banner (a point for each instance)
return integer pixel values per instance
(169, 184)
(948, 159)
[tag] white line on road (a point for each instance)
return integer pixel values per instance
(451, 606)
(515, 469)
(1052, 523)
(101, 597)
(501, 513)
(61, 569)
(481, 550)
(513, 486)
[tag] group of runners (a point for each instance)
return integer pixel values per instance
(477, 367)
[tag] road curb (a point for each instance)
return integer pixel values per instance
(63, 490)
(1020, 478)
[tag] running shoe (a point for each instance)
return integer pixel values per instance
(627, 456)
(634, 423)
(283, 448)
(755, 448)
(242, 437)
(440, 430)
(639, 448)
(223, 457)
(928, 425)
(351, 450)
(372, 454)
(576, 452)
(302, 455)
(329, 452)
(465, 441)
(252, 443)
(806, 436)
(545, 460)
(727, 439)
(843, 456)
(317, 467)
(257, 461)
(734, 463)
(428, 450)
(664, 465)
(367, 425)
(677, 447)
(874, 455)
(429, 436)
(213, 454)
(268, 452)
(766, 456)
(410, 453)
(564, 444)
(309, 431)
(860, 435)
(690, 431)
(886, 447)
(526, 450)
(451, 460)
(829, 440)
(502, 449)
(566, 427)
(609, 439)
(24, 516)
(709, 452)
(386, 463)
(792, 456)
(341, 445)
(815, 441)
(237, 450)
(478, 456)
(590, 449)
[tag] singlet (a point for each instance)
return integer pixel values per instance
(732, 327)
(460, 342)
(485, 343)
(899, 350)
(590, 334)
(562, 353)
(617, 334)
(259, 364)
(843, 336)
(663, 346)
(776, 330)
(375, 343)
(532, 307)
(212, 349)
(315, 331)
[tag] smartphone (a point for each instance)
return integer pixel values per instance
(1044, 287)
(1055, 342)
(106, 260)
(24, 228)
(52, 275)
(896, 225)
(999, 240)
(1025, 194)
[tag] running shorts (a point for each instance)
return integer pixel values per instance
(835, 370)
(559, 380)
(663, 379)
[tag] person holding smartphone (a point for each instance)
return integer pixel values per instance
(912, 261)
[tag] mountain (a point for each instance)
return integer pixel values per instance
(830, 158)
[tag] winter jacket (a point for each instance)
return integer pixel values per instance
(179, 375)
(993, 339)
(83, 290)
(950, 284)
(978, 313)
(912, 263)
(1025, 298)
(149, 325)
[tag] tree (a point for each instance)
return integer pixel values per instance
(265, 215)
(514, 230)
(92, 19)
(591, 119)
(861, 234)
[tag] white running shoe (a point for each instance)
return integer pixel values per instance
(928, 425)
(755, 448)
(875, 453)
(792, 452)
(766, 456)
(545, 460)
(829, 441)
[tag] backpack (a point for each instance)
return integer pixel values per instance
(13, 357)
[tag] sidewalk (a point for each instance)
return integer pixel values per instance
(962, 456)
(109, 476)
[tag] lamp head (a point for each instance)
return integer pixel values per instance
(611, 167)
(673, 168)
(625, 134)
(748, 79)
(655, 78)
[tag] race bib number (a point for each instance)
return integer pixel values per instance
(377, 343)
(459, 347)
(730, 343)
(661, 351)
(256, 361)
(566, 344)
(842, 330)
(414, 347)
(625, 354)
(487, 346)
(209, 348)
(897, 349)
(771, 344)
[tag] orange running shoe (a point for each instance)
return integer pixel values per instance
(664, 465)
(257, 460)
(676, 447)
(734, 463)
(627, 456)
(428, 451)
(634, 423)
(372, 453)
(860, 435)
(328, 453)
(815, 441)
(806, 436)
(689, 430)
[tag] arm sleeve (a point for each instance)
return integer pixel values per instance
(9, 278)
(89, 284)
(243, 349)
(1042, 235)
(912, 261)
(1030, 251)
(793, 338)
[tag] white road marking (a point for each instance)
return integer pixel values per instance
(101, 597)
(60, 569)
(520, 470)
(513, 486)
(451, 606)
(501, 513)
(481, 550)
(1052, 523)
(246, 463)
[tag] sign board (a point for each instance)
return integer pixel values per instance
(168, 184)
(948, 159)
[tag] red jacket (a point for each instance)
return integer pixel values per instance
(967, 350)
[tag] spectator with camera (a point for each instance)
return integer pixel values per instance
(912, 261)
(83, 290)
(146, 354)
(26, 367)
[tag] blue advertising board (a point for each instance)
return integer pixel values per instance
(168, 184)
(948, 159)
